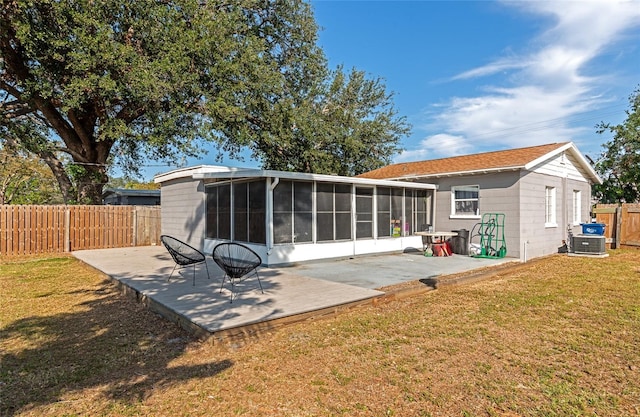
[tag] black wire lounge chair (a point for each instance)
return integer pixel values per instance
(184, 255)
(238, 262)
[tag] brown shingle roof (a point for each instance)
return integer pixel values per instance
(512, 158)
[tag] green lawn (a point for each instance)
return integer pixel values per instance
(558, 336)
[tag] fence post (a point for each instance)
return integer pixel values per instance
(618, 226)
(67, 226)
(135, 226)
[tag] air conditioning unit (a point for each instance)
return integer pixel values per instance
(590, 244)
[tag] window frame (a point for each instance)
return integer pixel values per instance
(453, 214)
(550, 207)
(577, 206)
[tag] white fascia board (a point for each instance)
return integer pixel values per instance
(190, 171)
(256, 173)
(587, 166)
(460, 173)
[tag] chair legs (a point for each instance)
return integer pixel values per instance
(194, 272)
(172, 271)
(232, 281)
(232, 285)
(205, 264)
(260, 283)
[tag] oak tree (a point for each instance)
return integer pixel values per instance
(347, 125)
(85, 84)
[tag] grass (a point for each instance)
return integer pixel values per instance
(554, 337)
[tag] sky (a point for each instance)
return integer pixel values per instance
(478, 76)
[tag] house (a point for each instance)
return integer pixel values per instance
(123, 196)
(289, 217)
(286, 217)
(543, 191)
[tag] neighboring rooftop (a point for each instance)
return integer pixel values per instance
(511, 159)
(126, 196)
(131, 192)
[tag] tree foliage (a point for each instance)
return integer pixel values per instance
(25, 179)
(619, 165)
(88, 84)
(346, 126)
(131, 184)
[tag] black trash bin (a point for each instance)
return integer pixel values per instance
(460, 243)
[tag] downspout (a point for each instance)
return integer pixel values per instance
(567, 202)
(269, 214)
(434, 198)
(565, 205)
(354, 219)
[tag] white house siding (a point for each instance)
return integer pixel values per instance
(498, 194)
(183, 210)
(563, 165)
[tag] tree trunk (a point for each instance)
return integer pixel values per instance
(90, 183)
(64, 182)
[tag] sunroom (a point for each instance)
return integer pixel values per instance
(289, 217)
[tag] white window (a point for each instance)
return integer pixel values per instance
(465, 201)
(577, 206)
(550, 207)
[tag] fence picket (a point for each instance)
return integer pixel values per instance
(630, 234)
(622, 223)
(41, 229)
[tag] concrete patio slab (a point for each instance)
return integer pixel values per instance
(301, 291)
(378, 271)
(286, 293)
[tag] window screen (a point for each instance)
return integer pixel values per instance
(248, 211)
(218, 217)
(240, 212)
(293, 212)
(303, 211)
(283, 212)
(333, 212)
(257, 204)
(364, 212)
(383, 202)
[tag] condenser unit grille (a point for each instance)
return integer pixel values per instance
(588, 244)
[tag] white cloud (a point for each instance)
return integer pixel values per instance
(542, 90)
(437, 146)
(492, 68)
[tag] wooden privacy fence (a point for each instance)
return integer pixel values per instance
(40, 229)
(622, 223)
